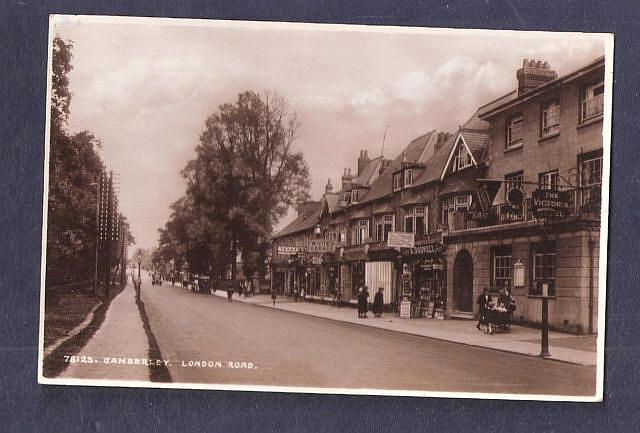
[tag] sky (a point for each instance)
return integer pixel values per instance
(146, 86)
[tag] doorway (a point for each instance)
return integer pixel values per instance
(463, 282)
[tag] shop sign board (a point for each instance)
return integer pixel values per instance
(551, 202)
(322, 246)
(405, 309)
(288, 251)
(432, 248)
(316, 260)
(401, 240)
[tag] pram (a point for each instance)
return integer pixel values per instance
(498, 320)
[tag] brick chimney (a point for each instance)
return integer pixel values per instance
(534, 73)
(300, 205)
(328, 188)
(363, 160)
(347, 178)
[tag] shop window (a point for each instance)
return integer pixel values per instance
(415, 220)
(502, 267)
(408, 177)
(592, 101)
(550, 119)
(544, 268)
(384, 225)
(397, 182)
(514, 132)
(548, 180)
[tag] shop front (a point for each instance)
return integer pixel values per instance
(427, 268)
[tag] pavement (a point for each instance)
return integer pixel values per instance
(574, 349)
(112, 352)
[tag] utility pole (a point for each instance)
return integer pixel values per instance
(109, 233)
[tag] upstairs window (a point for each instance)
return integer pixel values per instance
(592, 101)
(449, 205)
(513, 181)
(384, 225)
(354, 196)
(548, 180)
(591, 171)
(463, 158)
(415, 220)
(361, 231)
(514, 132)
(347, 197)
(408, 177)
(550, 119)
(397, 182)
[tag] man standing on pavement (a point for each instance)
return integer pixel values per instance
(483, 303)
(273, 297)
(230, 290)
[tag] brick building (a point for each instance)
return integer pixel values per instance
(511, 199)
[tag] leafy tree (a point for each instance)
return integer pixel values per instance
(245, 176)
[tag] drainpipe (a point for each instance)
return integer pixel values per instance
(591, 248)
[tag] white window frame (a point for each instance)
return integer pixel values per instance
(589, 99)
(588, 165)
(542, 256)
(397, 181)
(510, 142)
(463, 158)
(381, 223)
(355, 195)
(408, 177)
(361, 231)
(513, 180)
(549, 180)
(550, 119)
(502, 269)
(413, 214)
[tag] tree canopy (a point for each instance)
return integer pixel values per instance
(245, 176)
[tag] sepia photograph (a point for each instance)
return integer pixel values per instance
(323, 208)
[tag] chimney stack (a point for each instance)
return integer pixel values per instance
(534, 73)
(300, 204)
(328, 188)
(384, 164)
(363, 160)
(347, 177)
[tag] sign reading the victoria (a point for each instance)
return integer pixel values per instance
(551, 202)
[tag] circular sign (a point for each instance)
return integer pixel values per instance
(515, 196)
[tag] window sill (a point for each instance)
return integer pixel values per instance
(590, 121)
(512, 148)
(548, 137)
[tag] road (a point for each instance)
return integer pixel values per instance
(290, 349)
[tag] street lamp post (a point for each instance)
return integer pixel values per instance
(544, 351)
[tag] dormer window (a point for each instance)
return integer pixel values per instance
(408, 177)
(397, 182)
(347, 197)
(354, 196)
(463, 158)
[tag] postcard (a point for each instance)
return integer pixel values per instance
(314, 208)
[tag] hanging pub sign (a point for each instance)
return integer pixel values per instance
(550, 203)
(482, 205)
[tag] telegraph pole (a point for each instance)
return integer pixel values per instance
(109, 228)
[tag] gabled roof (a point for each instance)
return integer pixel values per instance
(474, 136)
(332, 200)
(369, 172)
(309, 218)
(419, 149)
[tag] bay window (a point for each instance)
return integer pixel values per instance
(415, 220)
(384, 225)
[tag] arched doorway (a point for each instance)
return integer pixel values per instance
(463, 282)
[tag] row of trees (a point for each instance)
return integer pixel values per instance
(243, 179)
(75, 167)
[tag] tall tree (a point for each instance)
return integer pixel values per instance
(246, 175)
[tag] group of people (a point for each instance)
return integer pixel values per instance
(363, 302)
(504, 306)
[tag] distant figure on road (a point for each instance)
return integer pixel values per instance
(273, 297)
(378, 302)
(295, 292)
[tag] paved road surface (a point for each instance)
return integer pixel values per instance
(295, 350)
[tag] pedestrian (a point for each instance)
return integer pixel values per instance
(273, 297)
(483, 305)
(378, 302)
(295, 292)
(230, 291)
(363, 294)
